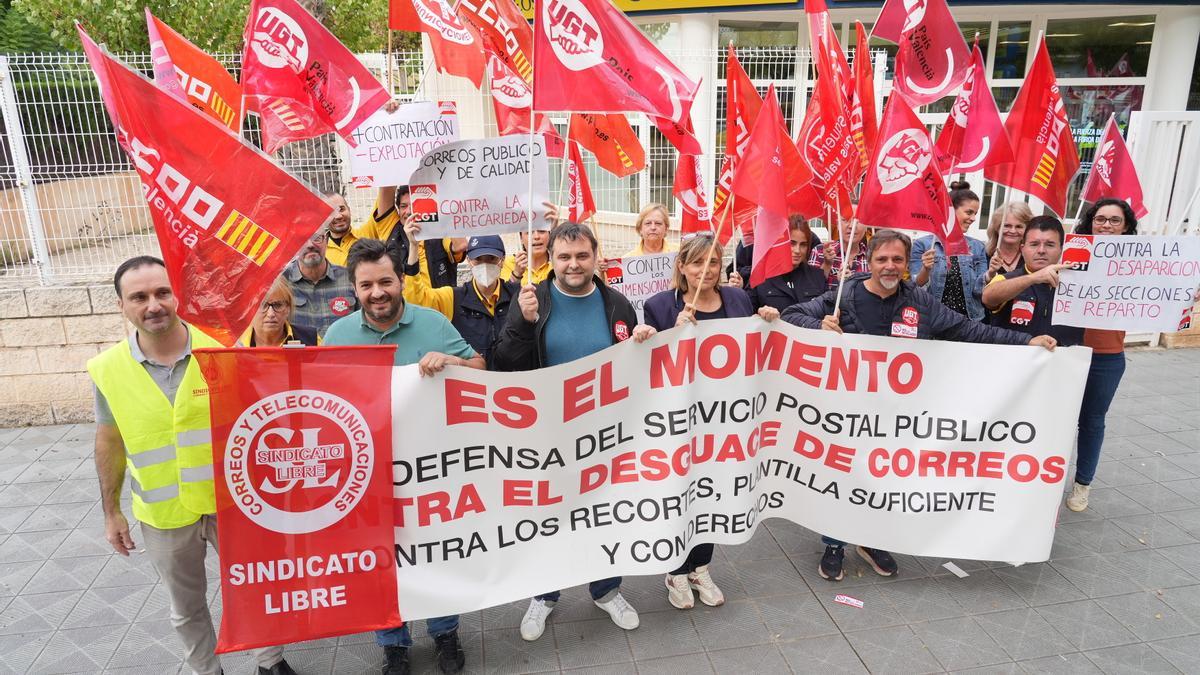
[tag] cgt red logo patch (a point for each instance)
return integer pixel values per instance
(1077, 251)
(911, 316)
(621, 331)
(1022, 312)
(340, 305)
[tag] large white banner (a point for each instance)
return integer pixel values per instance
(483, 186)
(391, 145)
(640, 277)
(514, 484)
(1131, 283)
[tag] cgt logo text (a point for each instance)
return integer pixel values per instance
(298, 461)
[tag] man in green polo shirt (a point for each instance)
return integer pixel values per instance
(422, 336)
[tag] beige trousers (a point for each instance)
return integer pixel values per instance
(178, 556)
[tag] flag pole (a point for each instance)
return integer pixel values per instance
(837, 302)
(711, 250)
(529, 197)
(566, 162)
(388, 63)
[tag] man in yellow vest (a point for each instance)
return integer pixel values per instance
(152, 423)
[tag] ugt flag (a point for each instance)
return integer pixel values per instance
(1113, 173)
(186, 72)
(1044, 150)
(227, 218)
(933, 55)
(302, 81)
(973, 137)
(302, 464)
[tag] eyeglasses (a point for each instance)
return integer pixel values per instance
(1112, 220)
(277, 306)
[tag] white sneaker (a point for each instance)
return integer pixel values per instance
(702, 582)
(1078, 500)
(533, 624)
(623, 614)
(679, 592)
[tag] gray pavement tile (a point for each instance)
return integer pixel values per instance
(1159, 468)
(1117, 426)
(676, 665)
(760, 659)
(360, 657)
(151, 669)
(1186, 600)
(1188, 488)
(1097, 576)
(1190, 438)
(793, 538)
(49, 470)
(26, 494)
(1186, 556)
(923, 599)
(762, 546)
(876, 611)
(591, 643)
(1023, 634)
(148, 643)
(1187, 520)
(1189, 462)
(893, 650)
(77, 449)
(504, 652)
(734, 624)
(1039, 584)
(37, 612)
(994, 669)
(28, 546)
(960, 643)
(1156, 443)
(1148, 617)
(83, 542)
(1181, 652)
(1086, 625)
(131, 570)
(79, 490)
(158, 605)
(665, 633)
(79, 650)
(789, 617)
(55, 517)
(311, 661)
(1130, 659)
(65, 574)
(770, 576)
(1064, 664)
(14, 576)
(1154, 531)
(1151, 570)
(1120, 449)
(18, 652)
(508, 616)
(1168, 422)
(107, 606)
(12, 517)
(611, 669)
(1156, 497)
(1111, 503)
(9, 435)
(983, 591)
(44, 434)
(827, 655)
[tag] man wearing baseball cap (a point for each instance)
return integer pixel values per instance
(477, 307)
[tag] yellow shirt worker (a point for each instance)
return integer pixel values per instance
(391, 209)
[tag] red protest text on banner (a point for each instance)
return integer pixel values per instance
(300, 79)
(185, 71)
(227, 218)
(973, 137)
(1044, 150)
(933, 58)
(1113, 174)
(302, 454)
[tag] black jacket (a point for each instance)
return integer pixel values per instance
(933, 320)
(522, 345)
(662, 310)
(1034, 311)
(802, 284)
(443, 271)
(479, 327)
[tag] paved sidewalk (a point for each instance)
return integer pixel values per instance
(1121, 593)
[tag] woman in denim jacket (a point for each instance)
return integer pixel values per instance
(958, 285)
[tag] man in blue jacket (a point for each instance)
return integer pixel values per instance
(882, 303)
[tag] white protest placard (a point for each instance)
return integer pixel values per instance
(1136, 283)
(639, 278)
(390, 145)
(481, 186)
(619, 463)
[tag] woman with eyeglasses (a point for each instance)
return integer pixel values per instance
(271, 326)
(1106, 216)
(680, 306)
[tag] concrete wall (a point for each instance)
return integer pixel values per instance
(46, 337)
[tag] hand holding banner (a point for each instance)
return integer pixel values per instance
(389, 146)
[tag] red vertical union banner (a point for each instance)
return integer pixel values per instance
(302, 457)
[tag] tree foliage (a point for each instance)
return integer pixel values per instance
(213, 25)
(19, 34)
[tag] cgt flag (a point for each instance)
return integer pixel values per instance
(1113, 173)
(300, 79)
(458, 48)
(933, 57)
(227, 218)
(186, 72)
(973, 137)
(302, 459)
(905, 189)
(1045, 156)
(590, 58)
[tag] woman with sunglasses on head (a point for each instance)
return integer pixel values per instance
(1112, 217)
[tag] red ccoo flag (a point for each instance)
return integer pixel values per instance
(302, 81)
(580, 205)
(973, 137)
(590, 58)
(742, 104)
(458, 48)
(864, 126)
(186, 72)
(505, 32)
(904, 189)
(936, 58)
(610, 138)
(1044, 151)
(228, 220)
(1113, 173)
(763, 180)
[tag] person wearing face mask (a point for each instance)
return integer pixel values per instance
(477, 307)
(321, 291)
(883, 303)
(652, 225)
(1004, 239)
(959, 283)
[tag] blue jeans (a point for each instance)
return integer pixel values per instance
(1104, 376)
(600, 590)
(400, 637)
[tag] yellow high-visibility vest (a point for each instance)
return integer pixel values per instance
(168, 449)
